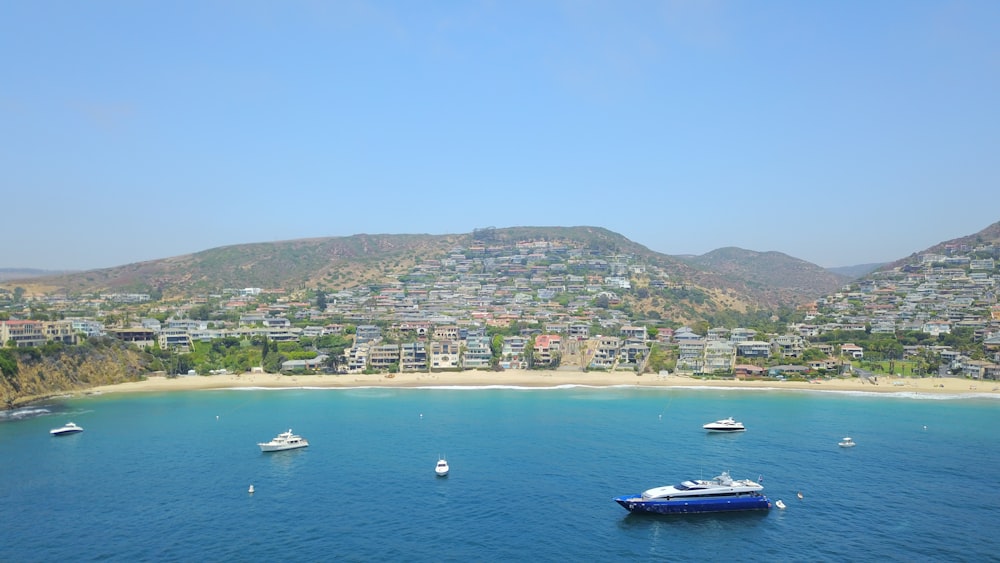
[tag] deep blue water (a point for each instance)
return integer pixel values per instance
(533, 473)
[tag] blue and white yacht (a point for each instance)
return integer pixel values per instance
(720, 494)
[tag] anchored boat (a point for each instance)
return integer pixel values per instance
(719, 494)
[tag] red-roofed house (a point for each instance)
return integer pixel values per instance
(546, 349)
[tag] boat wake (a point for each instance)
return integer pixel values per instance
(22, 413)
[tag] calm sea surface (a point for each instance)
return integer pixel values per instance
(164, 477)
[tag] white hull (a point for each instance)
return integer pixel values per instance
(725, 425)
(68, 429)
(284, 441)
(282, 447)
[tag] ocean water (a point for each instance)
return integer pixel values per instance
(164, 477)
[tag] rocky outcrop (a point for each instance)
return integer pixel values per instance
(41, 373)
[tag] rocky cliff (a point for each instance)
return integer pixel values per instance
(33, 373)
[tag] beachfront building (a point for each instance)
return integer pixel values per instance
(606, 352)
(413, 356)
(306, 364)
(477, 354)
(513, 347)
(356, 358)
(720, 357)
(546, 352)
(691, 355)
(632, 355)
(445, 354)
(383, 357)
(743, 371)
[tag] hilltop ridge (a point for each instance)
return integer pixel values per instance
(726, 278)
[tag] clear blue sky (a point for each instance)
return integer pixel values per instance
(836, 132)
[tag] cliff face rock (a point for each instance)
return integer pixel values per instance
(40, 374)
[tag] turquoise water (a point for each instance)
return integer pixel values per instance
(533, 472)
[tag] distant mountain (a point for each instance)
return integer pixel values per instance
(857, 271)
(25, 273)
(728, 279)
(773, 276)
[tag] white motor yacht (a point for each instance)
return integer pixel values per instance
(283, 441)
(441, 469)
(847, 442)
(724, 425)
(69, 428)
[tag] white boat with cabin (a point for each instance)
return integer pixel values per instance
(847, 442)
(725, 425)
(441, 469)
(283, 441)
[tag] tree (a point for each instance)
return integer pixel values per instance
(496, 346)
(8, 364)
(321, 300)
(200, 312)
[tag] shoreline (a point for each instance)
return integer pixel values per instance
(542, 379)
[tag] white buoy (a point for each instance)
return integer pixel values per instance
(250, 490)
(216, 417)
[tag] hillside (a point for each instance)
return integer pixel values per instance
(728, 279)
(773, 277)
(856, 271)
(988, 236)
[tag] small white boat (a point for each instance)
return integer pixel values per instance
(724, 425)
(847, 442)
(779, 504)
(69, 428)
(283, 441)
(441, 469)
(250, 490)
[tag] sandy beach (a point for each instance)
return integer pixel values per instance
(525, 378)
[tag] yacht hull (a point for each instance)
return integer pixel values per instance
(635, 503)
(267, 448)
